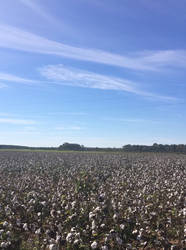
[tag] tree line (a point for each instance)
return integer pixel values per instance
(166, 148)
(173, 148)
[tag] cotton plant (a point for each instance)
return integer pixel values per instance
(60, 201)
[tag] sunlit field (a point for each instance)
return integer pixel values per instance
(53, 200)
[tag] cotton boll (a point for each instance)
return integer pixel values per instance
(115, 217)
(43, 203)
(38, 231)
(52, 247)
(8, 233)
(91, 216)
(1, 231)
(97, 209)
(69, 237)
(76, 242)
(58, 238)
(3, 244)
(102, 226)
(5, 224)
(94, 232)
(94, 245)
(104, 248)
(119, 241)
(93, 225)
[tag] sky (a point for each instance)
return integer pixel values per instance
(100, 73)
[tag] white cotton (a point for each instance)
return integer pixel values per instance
(115, 217)
(76, 242)
(43, 203)
(73, 204)
(129, 246)
(52, 213)
(73, 230)
(25, 226)
(94, 232)
(104, 248)
(8, 233)
(91, 215)
(52, 247)
(38, 231)
(94, 245)
(1, 231)
(10, 226)
(3, 244)
(139, 237)
(184, 212)
(69, 237)
(77, 235)
(93, 225)
(5, 224)
(97, 209)
(106, 239)
(135, 231)
(119, 240)
(58, 238)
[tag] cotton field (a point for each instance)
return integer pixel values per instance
(55, 200)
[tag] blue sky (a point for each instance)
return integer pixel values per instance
(99, 73)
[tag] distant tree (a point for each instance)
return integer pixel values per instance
(71, 146)
(180, 148)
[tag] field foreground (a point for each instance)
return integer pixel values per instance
(53, 201)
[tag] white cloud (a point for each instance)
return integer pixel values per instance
(58, 74)
(4, 114)
(14, 38)
(132, 120)
(34, 6)
(73, 77)
(68, 113)
(16, 121)
(2, 85)
(69, 128)
(30, 129)
(13, 78)
(164, 58)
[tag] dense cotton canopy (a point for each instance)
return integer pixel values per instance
(102, 201)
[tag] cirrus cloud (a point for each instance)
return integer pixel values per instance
(78, 78)
(17, 121)
(18, 39)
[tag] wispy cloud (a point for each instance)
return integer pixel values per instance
(30, 129)
(164, 58)
(13, 78)
(16, 121)
(2, 85)
(58, 74)
(4, 114)
(132, 120)
(68, 113)
(14, 38)
(34, 6)
(73, 77)
(69, 128)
